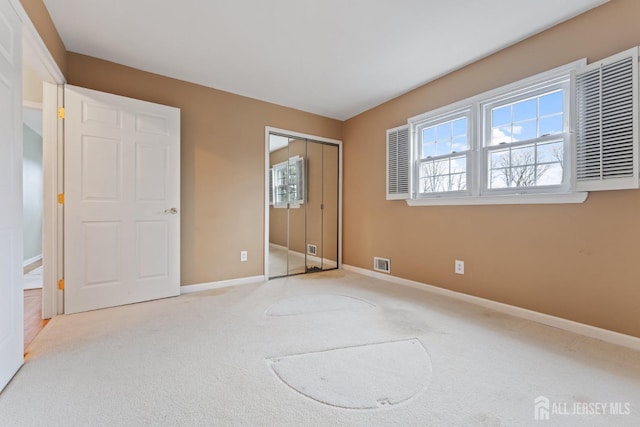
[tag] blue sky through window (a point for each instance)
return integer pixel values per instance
(445, 138)
(528, 119)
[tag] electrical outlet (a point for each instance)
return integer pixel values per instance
(243, 256)
(459, 267)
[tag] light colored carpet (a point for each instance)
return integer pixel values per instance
(315, 303)
(361, 377)
(206, 359)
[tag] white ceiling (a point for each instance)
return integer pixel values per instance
(336, 58)
(277, 142)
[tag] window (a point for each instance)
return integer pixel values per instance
(444, 147)
(287, 183)
(525, 138)
(496, 147)
(524, 143)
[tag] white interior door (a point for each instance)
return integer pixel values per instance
(11, 294)
(122, 200)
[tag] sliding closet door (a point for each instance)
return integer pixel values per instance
(278, 206)
(330, 194)
(297, 206)
(314, 246)
(322, 206)
(303, 212)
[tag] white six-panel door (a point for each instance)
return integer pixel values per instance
(11, 294)
(122, 200)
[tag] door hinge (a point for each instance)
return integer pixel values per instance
(61, 284)
(61, 112)
(61, 198)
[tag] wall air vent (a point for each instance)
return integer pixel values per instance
(312, 249)
(382, 264)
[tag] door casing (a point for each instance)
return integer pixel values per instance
(36, 53)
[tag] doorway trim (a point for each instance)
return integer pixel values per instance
(39, 57)
(269, 130)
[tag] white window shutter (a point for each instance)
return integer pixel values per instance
(606, 126)
(271, 186)
(398, 163)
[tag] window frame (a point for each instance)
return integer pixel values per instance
(434, 121)
(511, 97)
(291, 182)
(477, 161)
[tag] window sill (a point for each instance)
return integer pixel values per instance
(510, 199)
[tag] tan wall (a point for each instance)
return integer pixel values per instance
(579, 262)
(31, 84)
(223, 149)
(41, 19)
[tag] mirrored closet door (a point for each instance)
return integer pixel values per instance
(303, 206)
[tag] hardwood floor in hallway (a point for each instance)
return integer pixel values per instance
(33, 322)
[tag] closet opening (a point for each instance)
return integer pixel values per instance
(303, 209)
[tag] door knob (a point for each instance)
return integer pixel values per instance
(171, 211)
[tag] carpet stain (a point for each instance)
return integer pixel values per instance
(507, 322)
(405, 322)
(488, 420)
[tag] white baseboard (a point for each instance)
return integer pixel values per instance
(273, 245)
(221, 284)
(324, 261)
(314, 258)
(546, 319)
(32, 260)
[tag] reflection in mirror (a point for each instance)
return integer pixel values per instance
(288, 182)
(296, 211)
(303, 206)
(278, 215)
(314, 207)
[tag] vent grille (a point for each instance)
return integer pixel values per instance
(312, 249)
(605, 128)
(398, 146)
(382, 264)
